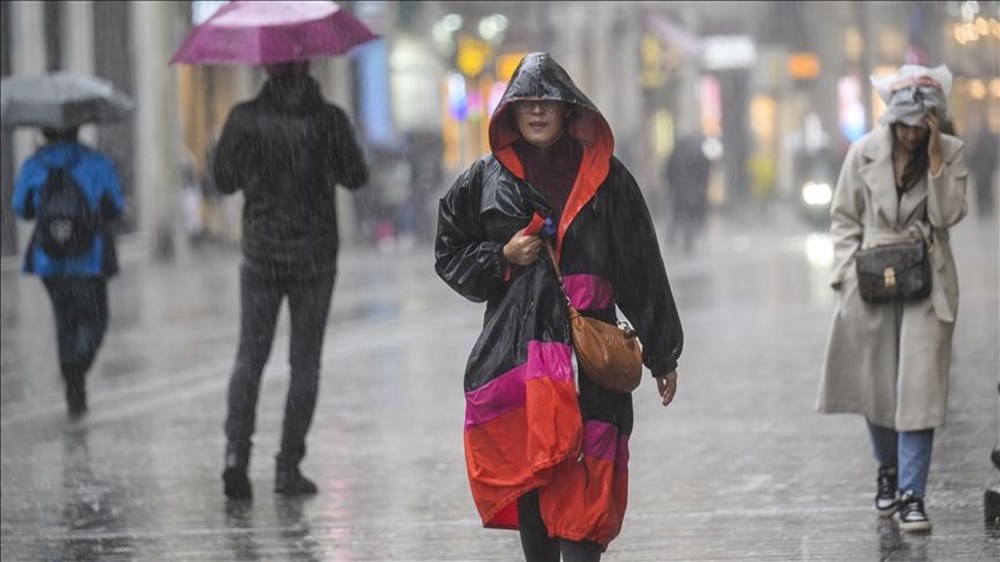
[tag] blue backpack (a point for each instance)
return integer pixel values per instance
(65, 225)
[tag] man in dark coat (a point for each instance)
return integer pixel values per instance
(687, 172)
(983, 157)
(287, 149)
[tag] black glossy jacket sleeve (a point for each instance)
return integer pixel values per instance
(642, 289)
(464, 258)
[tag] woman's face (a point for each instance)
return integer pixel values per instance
(540, 121)
(910, 136)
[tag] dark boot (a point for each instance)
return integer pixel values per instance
(76, 401)
(290, 482)
(236, 483)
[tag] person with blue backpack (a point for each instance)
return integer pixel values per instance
(73, 193)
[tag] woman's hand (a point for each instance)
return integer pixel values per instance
(522, 249)
(934, 142)
(666, 385)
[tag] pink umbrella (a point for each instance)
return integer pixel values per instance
(272, 32)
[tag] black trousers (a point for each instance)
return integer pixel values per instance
(261, 295)
(81, 310)
(538, 546)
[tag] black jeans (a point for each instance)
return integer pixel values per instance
(81, 311)
(261, 295)
(538, 546)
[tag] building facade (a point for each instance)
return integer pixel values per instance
(770, 80)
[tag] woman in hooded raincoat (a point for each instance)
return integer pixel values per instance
(544, 455)
(890, 362)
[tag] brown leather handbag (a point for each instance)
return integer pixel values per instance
(610, 355)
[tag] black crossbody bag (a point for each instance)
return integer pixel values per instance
(895, 272)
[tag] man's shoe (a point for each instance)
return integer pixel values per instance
(236, 484)
(76, 402)
(290, 482)
(912, 517)
(885, 498)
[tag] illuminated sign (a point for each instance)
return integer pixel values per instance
(851, 110)
(725, 52)
(803, 66)
(507, 64)
(472, 56)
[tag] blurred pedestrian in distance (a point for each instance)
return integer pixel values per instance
(686, 174)
(762, 169)
(218, 222)
(983, 156)
(74, 194)
(191, 197)
(287, 149)
(545, 456)
(890, 362)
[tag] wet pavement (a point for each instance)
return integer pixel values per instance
(739, 468)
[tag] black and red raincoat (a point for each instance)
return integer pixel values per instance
(528, 423)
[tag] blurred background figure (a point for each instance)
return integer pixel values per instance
(286, 150)
(762, 168)
(194, 227)
(73, 194)
(984, 152)
(686, 174)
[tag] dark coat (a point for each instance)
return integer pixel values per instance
(687, 172)
(527, 424)
(287, 149)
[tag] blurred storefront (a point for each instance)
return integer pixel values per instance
(972, 44)
(777, 87)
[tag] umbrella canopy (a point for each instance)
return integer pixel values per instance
(272, 32)
(60, 100)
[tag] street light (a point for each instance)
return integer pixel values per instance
(444, 33)
(493, 27)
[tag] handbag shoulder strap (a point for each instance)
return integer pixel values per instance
(562, 286)
(925, 227)
(555, 263)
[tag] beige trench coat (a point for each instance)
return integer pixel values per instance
(906, 386)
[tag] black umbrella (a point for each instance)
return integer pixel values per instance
(60, 100)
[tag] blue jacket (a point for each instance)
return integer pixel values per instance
(98, 179)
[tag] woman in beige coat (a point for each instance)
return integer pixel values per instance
(890, 362)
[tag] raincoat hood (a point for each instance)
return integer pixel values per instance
(540, 77)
